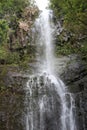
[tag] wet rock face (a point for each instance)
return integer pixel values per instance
(81, 110)
(16, 102)
(75, 77)
(12, 99)
(12, 109)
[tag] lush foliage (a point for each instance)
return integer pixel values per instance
(16, 17)
(73, 11)
(3, 31)
(12, 7)
(73, 14)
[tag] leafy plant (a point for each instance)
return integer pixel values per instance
(3, 31)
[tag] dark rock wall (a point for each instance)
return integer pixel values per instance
(12, 107)
(75, 77)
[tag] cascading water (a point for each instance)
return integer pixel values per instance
(49, 104)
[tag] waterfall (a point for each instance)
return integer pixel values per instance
(49, 104)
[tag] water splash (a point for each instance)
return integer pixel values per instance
(49, 104)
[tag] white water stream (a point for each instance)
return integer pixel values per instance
(49, 104)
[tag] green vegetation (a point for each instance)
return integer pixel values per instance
(16, 19)
(3, 31)
(73, 17)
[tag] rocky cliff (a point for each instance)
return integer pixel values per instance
(75, 77)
